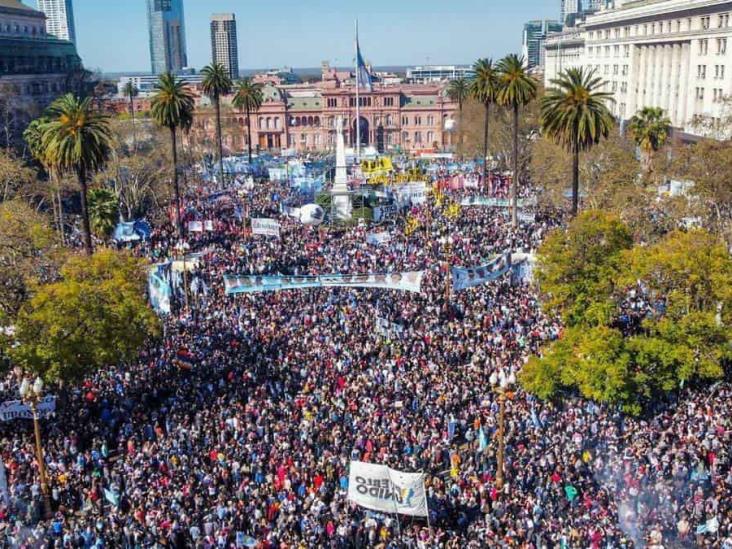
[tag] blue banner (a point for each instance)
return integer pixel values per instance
(463, 278)
(408, 282)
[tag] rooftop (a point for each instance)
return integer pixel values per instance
(15, 5)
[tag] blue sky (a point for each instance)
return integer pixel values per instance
(112, 34)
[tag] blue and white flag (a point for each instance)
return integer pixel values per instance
(363, 78)
(482, 440)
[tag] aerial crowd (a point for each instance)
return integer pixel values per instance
(247, 441)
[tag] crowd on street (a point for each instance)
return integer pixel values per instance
(248, 443)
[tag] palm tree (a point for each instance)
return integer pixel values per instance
(575, 115)
(484, 87)
(459, 91)
(217, 82)
(130, 91)
(77, 138)
(516, 89)
(172, 107)
(650, 129)
(33, 136)
(248, 96)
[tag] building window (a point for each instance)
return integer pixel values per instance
(703, 46)
(705, 22)
(430, 138)
(332, 102)
(388, 120)
(701, 72)
(700, 94)
(388, 101)
(405, 137)
(721, 46)
(417, 120)
(418, 137)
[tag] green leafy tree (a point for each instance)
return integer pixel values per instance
(28, 253)
(172, 108)
(574, 113)
(130, 91)
(682, 334)
(577, 267)
(484, 88)
(216, 83)
(95, 316)
(650, 129)
(249, 97)
(516, 89)
(77, 139)
(103, 211)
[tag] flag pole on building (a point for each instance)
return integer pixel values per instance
(358, 100)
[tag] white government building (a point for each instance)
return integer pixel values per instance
(671, 54)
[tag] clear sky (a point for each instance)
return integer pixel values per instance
(112, 34)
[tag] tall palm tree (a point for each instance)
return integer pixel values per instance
(484, 87)
(459, 91)
(575, 115)
(77, 138)
(217, 82)
(516, 89)
(650, 129)
(33, 136)
(172, 107)
(130, 91)
(248, 96)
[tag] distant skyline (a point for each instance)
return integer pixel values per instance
(113, 36)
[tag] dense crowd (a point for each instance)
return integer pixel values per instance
(250, 443)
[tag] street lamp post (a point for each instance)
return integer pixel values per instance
(447, 249)
(32, 394)
(502, 384)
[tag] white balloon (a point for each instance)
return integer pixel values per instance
(311, 214)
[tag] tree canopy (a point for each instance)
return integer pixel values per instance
(96, 315)
(640, 320)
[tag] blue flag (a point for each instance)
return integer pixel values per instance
(482, 440)
(362, 74)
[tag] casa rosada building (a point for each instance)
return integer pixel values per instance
(303, 117)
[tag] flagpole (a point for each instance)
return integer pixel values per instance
(358, 103)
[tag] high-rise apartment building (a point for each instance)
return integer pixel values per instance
(578, 9)
(59, 18)
(535, 33)
(224, 47)
(167, 35)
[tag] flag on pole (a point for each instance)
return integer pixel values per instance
(482, 440)
(363, 77)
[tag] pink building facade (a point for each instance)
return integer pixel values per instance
(302, 117)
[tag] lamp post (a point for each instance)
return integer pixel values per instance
(502, 385)
(446, 243)
(32, 394)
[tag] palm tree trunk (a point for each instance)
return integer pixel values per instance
(219, 139)
(515, 178)
(249, 135)
(134, 130)
(60, 209)
(485, 142)
(575, 180)
(85, 212)
(176, 187)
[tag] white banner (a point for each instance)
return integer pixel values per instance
(380, 488)
(265, 226)
(195, 226)
(463, 278)
(15, 409)
(408, 282)
(377, 239)
(411, 193)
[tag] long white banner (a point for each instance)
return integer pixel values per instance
(408, 282)
(463, 278)
(380, 488)
(265, 226)
(15, 409)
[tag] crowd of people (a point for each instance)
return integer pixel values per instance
(249, 444)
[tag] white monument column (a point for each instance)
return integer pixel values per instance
(342, 206)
